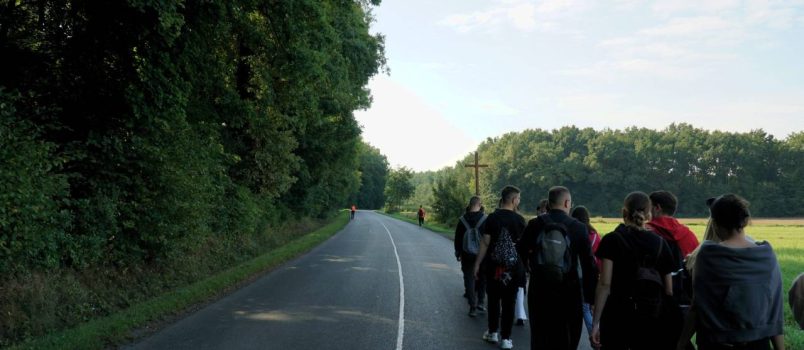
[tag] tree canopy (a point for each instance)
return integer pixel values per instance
(138, 127)
(398, 188)
(601, 167)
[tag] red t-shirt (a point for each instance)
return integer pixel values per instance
(421, 212)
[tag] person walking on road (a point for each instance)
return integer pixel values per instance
(635, 277)
(421, 214)
(503, 269)
(354, 208)
(467, 244)
(581, 213)
(560, 258)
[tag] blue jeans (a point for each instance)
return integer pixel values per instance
(587, 317)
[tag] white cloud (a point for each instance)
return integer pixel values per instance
(688, 26)
(522, 15)
(617, 42)
(465, 22)
(633, 67)
(772, 15)
(555, 6)
(409, 131)
(593, 101)
(673, 7)
(497, 108)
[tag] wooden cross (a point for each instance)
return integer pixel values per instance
(477, 167)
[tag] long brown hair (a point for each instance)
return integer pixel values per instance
(582, 214)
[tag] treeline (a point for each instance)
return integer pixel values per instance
(143, 133)
(601, 166)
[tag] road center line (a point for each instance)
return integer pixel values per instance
(401, 331)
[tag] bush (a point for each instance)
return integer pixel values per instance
(32, 223)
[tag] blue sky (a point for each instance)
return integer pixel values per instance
(465, 70)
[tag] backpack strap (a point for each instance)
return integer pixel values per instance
(477, 225)
(546, 218)
(658, 252)
(639, 261)
(465, 223)
(481, 221)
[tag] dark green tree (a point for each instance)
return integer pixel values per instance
(373, 176)
(449, 198)
(398, 188)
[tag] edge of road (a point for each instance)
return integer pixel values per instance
(440, 229)
(150, 316)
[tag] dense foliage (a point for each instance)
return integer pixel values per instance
(136, 132)
(398, 188)
(601, 167)
(373, 175)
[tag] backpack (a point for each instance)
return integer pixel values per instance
(471, 238)
(682, 281)
(648, 292)
(552, 257)
(504, 253)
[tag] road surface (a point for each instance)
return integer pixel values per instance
(347, 293)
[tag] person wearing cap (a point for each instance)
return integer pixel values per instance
(737, 286)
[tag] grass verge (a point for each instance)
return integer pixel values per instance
(117, 328)
(436, 227)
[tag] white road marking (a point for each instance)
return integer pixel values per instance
(401, 331)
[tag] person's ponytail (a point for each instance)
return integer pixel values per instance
(639, 218)
(636, 209)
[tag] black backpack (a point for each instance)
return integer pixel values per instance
(471, 237)
(552, 256)
(504, 252)
(682, 281)
(648, 292)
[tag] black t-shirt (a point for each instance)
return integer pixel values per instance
(513, 222)
(645, 243)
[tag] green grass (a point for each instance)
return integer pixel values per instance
(787, 242)
(117, 328)
(437, 227)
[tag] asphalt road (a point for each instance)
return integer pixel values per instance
(346, 294)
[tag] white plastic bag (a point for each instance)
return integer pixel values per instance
(520, 305)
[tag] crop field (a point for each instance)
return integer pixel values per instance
(786, 236)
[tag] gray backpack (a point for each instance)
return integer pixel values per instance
(471, 238)
(552, 257)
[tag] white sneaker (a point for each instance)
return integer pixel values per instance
(491, 337)
(507, 344)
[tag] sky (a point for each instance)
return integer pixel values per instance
(465, 70)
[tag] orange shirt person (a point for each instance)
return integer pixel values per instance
(421, 215)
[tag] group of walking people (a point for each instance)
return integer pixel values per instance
(649, 284)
